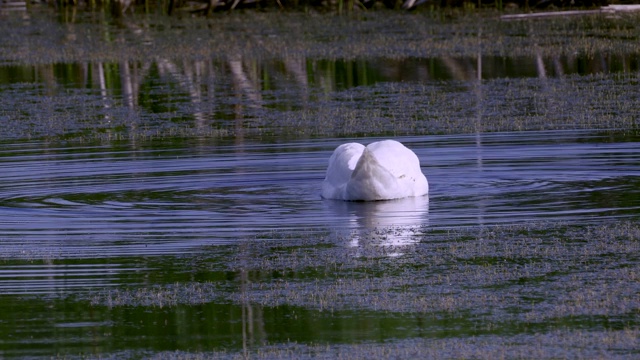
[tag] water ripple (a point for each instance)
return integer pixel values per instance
(104, 202)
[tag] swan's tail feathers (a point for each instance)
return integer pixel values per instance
(384, 170)
(371, 181)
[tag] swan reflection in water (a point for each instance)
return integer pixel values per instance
(391, 223)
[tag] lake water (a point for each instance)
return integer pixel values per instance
(126, 201)
(81, 220)
(170, 208)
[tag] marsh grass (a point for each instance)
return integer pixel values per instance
(511, 276)
(445, 108)
(271, 35)
(552, 345)
(270, 41)
(157, 296)
(398, 109)
(500, 274)
(544, 290)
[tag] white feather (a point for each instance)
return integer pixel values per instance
(383, 170)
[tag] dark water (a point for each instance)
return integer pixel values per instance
(79, 221)
(108, 201)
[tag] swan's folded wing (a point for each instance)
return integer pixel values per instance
(341, 165)
(396, 158)
(403, 163)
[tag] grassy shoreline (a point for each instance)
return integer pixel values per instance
(91, 37)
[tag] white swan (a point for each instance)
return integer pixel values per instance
(383, 170)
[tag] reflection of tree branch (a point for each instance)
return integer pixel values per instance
(478, 124)
(299, 70)
(241, 81)
(250, 316)
(457, 70)
(103, 89)
(184, 80)
(129, 77)
(557, 65)
(477, 89)
(190, 79)
(119, 7)
(47, 74)
(244, 301)
(127, 81)
(542, 72)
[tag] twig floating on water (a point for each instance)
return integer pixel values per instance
(603, 10)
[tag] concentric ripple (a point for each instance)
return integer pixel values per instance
(134, 200)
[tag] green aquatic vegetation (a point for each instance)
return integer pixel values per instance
(498, 268)
(157, 296)
(298, 77)
(396, 109)
(510, 275)
(552, 345)
(542, 290)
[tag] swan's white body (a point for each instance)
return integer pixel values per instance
(383, 170)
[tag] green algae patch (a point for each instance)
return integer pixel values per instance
(476, 292)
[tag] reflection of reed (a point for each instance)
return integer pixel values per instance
(119, 7)
(195, 75)
(460, 70)
(542, 72)
(218, 96)
(247, 314)
(253, 331)
(298, 68)
(190, 78)
(480, 104)
(241, 82)
(47, 74)
(103, 86)
(129, 85)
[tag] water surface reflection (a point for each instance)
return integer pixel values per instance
(382, 223)
(141, 201)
